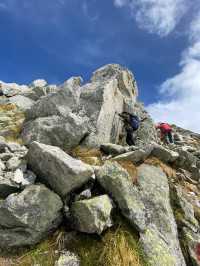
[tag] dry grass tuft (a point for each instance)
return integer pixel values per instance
(6, 262)
(118, 250)
(131, 169)
(169, 171)
(7, 107)
(11, 120)
(87, 155)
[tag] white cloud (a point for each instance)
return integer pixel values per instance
(155, 16)
(184, 88)
(120, 3)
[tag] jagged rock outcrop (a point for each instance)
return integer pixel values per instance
(28, 217)
(59, 131)
(112, 90)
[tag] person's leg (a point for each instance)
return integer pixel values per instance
(166, 138)
(170, 137)
(129, 138)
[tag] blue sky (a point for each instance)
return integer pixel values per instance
(157, 40)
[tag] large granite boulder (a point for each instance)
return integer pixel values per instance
(28, 217)
(165, 155)
(116, 181)
(154, 191)
(64, 132)
(137, 156)
(24, 103)
(60, 171)
(92, 215)
(113, 149)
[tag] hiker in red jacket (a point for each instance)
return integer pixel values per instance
(166, 132)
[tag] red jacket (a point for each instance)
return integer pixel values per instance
(164, 127)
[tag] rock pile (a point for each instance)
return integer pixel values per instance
(42, 185)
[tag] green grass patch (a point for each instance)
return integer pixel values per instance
(118, 246)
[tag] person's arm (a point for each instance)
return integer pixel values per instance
(143, 119)
(124, 117)
(120, 115)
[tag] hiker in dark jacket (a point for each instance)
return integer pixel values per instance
(132, 124)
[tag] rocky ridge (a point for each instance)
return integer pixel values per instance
(47, 179)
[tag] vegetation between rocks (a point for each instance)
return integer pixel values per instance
(11, 120)
(118, 246)
(88, 155)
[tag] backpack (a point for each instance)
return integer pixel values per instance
(134, 122)
(165, 127)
